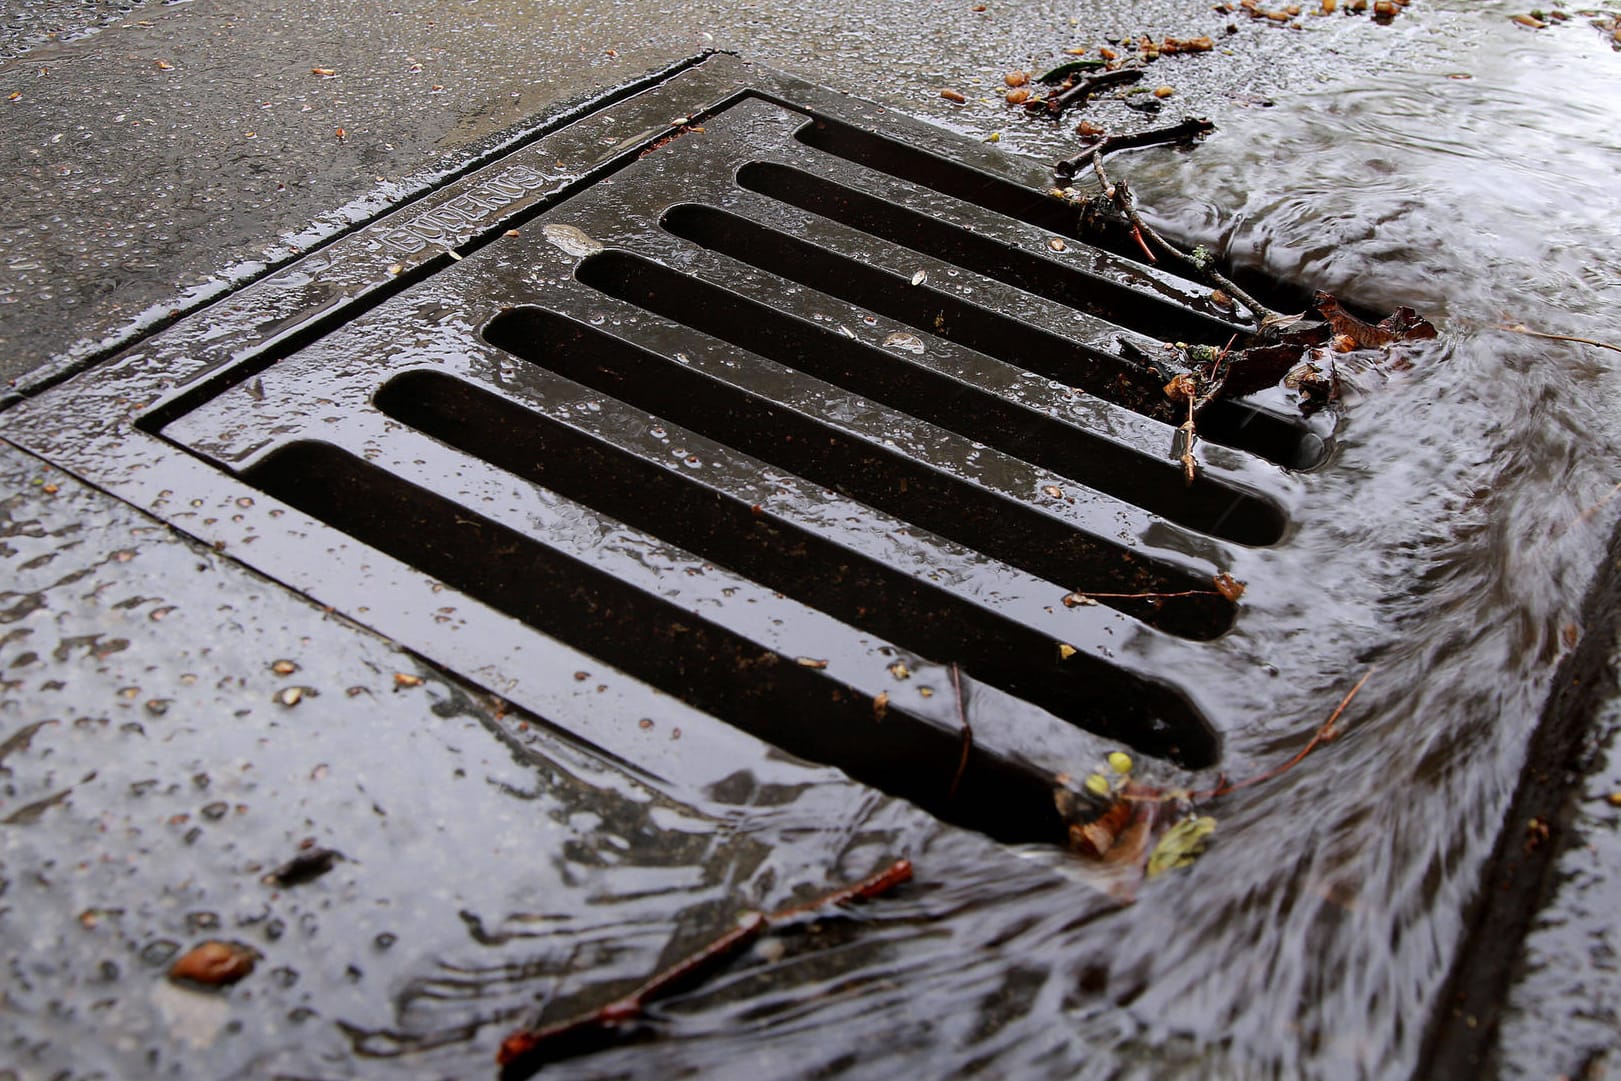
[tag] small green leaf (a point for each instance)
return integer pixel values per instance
(1181, 844)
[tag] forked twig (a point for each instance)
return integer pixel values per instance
(523, 1051)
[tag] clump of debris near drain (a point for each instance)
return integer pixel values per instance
(1297, 352)
(1134, 831)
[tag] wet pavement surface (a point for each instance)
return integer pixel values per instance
(156, 761)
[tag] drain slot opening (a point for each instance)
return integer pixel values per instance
(797, 562)
(1161, 317)
(800, 710)
(1004, 529)
(1068, 450)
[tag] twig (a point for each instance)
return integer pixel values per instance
(1189, 436)
(874, 885)
(1121, 196)
(1078, 597)
(1596, 507)
(1055, 104)
(520, 1052)
(1324, 734)
(1521, 328)
(967, 731)
(1183, 132)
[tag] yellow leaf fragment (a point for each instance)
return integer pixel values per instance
(1065, 651)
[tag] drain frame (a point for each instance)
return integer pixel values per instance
(119, 441)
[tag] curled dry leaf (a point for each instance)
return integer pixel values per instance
(1228, 586)
(215, 963)
(1183, 388)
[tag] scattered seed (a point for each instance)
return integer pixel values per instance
(880, 705)
(1053, 490)
(405, 679)
(164, 65)
(953, 95)
(900, 671)
(920, 277)
(292, 696)
(396, 268)
(1018, 97)
(810, 662)
(283, 667)
(1016, 78)
(325, 73)
(1079, 600)
(1163, 91)
(1120, 762)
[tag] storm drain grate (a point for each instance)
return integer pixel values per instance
(718, 404)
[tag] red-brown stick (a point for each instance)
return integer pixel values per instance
(1324, 733)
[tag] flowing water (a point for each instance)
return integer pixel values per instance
(1446, 545)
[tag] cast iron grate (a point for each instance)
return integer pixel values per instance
(767, 414)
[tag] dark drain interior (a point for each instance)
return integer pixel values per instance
(783, 418)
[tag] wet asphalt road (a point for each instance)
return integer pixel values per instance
(155, 155)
